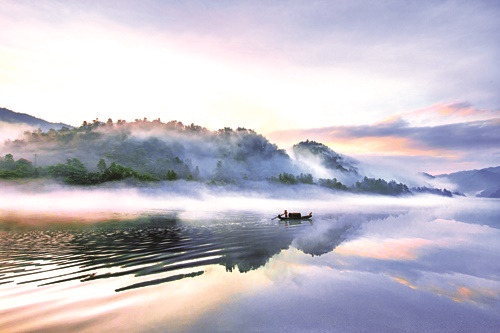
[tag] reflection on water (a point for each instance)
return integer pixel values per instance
(145, 247)
(416, 270)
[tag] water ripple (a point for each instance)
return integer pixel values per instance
(155, 247)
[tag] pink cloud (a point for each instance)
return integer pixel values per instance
(444, 113)
(390, 249)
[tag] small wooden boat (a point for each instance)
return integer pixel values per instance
(295, 216)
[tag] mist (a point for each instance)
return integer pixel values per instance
(10, 131)
(146, 153)
(231, 169)
(46, 200)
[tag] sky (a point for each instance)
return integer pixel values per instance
(407, 83)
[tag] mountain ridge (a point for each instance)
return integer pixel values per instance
(13, 117)
(477, 182)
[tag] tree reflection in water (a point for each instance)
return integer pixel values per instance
(143, 247)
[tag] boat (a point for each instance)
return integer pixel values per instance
(295, 216)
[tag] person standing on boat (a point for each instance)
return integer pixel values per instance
(285, 213)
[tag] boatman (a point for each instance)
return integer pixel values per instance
(285, 213)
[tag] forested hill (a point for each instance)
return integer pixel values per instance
(307, 150)
(162, 150)
(98, 152)
(12, 117)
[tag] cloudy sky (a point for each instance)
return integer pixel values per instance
(412, 82)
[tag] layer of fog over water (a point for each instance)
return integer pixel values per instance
(212, 259)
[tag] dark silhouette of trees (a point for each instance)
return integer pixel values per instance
(172, 175)
(332, 184)
(442, 192)
(381, 186)
(290, 179)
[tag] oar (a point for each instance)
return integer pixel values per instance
(275, 217)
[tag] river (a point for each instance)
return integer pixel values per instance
(383, 269)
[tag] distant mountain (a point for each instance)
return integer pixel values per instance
(481, 183)
(12, 117)
(426, 175)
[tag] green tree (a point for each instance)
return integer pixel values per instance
(24, 168)
(102, 166)
(333, 184)
(305, 178)
(287, 178)
(118, 172)
(196, 173)
(8, 162)
(171, 175)
(73, 172)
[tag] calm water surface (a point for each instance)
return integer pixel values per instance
(410, 270)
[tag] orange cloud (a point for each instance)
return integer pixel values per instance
(444, 113)
(368, 145)
(405, 282)
(391, 249)
(457, 293)
(389, 145)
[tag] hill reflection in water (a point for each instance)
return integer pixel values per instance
(142, 248)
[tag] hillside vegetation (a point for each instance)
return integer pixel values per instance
(149, 151)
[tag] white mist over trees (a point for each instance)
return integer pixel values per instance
(144, 150)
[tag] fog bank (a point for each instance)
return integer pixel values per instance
(48, 200)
